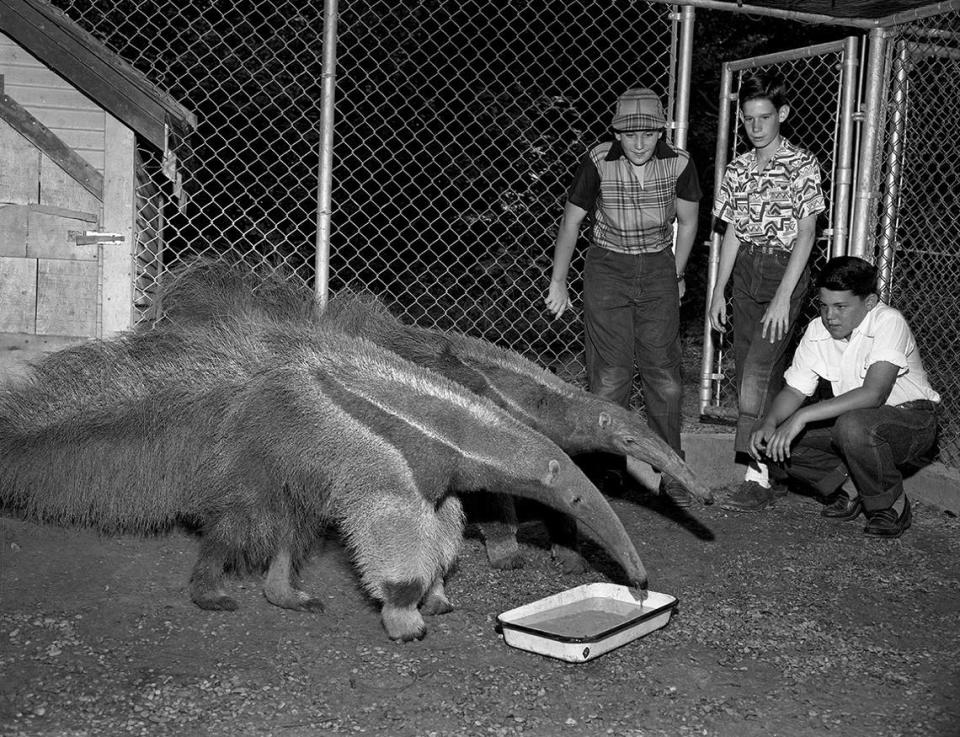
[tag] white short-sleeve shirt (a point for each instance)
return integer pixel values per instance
(883, 335)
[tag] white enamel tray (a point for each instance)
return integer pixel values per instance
(584, 622)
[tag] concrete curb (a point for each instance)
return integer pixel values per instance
(711, 457)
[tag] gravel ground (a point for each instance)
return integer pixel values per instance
(786, 625)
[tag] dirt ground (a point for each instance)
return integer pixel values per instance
(787, 625)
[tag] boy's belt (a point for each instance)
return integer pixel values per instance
(919, 404)
(764, 248)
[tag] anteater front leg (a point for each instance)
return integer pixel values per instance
(447, 546)
(400, 546)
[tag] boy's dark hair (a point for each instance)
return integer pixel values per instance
(764, 84)
(849, 273)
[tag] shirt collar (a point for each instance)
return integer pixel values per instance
(866, 327)
(663, 150)
(784, 148)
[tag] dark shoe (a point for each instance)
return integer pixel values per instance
(843, 508)
(749, 496)
(886, 522)
(676, 491)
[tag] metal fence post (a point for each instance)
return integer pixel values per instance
(324, 174)
(865, 197)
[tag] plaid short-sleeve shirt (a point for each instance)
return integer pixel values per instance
(765, 207)
(634, 213)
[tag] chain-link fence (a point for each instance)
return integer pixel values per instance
(813, 78)
(457, 129)
(918, 214)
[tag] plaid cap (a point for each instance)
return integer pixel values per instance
(638, 109)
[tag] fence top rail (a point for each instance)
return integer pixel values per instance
(831, 47)
(905, 16)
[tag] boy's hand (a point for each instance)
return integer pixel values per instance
(776, 320)
(778, 444)
(759, 439)
(718, 312)
(557, 299)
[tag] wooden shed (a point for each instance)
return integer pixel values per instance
(72, 115)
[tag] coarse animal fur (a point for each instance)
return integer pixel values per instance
(263, 439)
(573, 418)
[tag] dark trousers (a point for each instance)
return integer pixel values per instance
(759, 363)
(867, 445)
(631, 315)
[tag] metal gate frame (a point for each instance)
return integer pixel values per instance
(716, 384)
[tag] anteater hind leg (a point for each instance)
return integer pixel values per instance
(279, 589)
(206, 580)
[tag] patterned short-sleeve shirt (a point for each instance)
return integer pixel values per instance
(633, 211)
(766, 207)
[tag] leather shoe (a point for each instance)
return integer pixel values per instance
(843, 508)
(676, 491)
(887, 523)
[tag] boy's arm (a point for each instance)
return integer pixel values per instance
(687, 214)
(877, 385)
(776, 320)
(558, 298)
(728, 256)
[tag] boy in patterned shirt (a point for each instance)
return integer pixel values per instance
(770, 198)
(635, 186)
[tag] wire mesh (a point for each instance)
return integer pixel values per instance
(918, 216)
(814, 94)
(457, 129)
(251, 72)
(458, 141)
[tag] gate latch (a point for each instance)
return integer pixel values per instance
(93, 236)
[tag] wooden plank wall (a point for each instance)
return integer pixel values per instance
(48, 284)
(72, 116)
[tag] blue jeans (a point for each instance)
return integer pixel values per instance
(759, 363)
(631, 315)
(869, 446)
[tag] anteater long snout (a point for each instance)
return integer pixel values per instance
(634, 439)
(566, 489)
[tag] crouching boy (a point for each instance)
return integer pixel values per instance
(882, 414)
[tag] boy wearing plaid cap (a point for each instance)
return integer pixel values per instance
(769, 198)
(635, 186)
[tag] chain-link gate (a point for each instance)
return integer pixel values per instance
(457, 129)
(918, 213)
(820, 120)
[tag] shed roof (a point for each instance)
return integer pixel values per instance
(91, 67)
(863, 13)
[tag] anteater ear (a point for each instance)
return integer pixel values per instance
(604, 419)
(553, 470)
